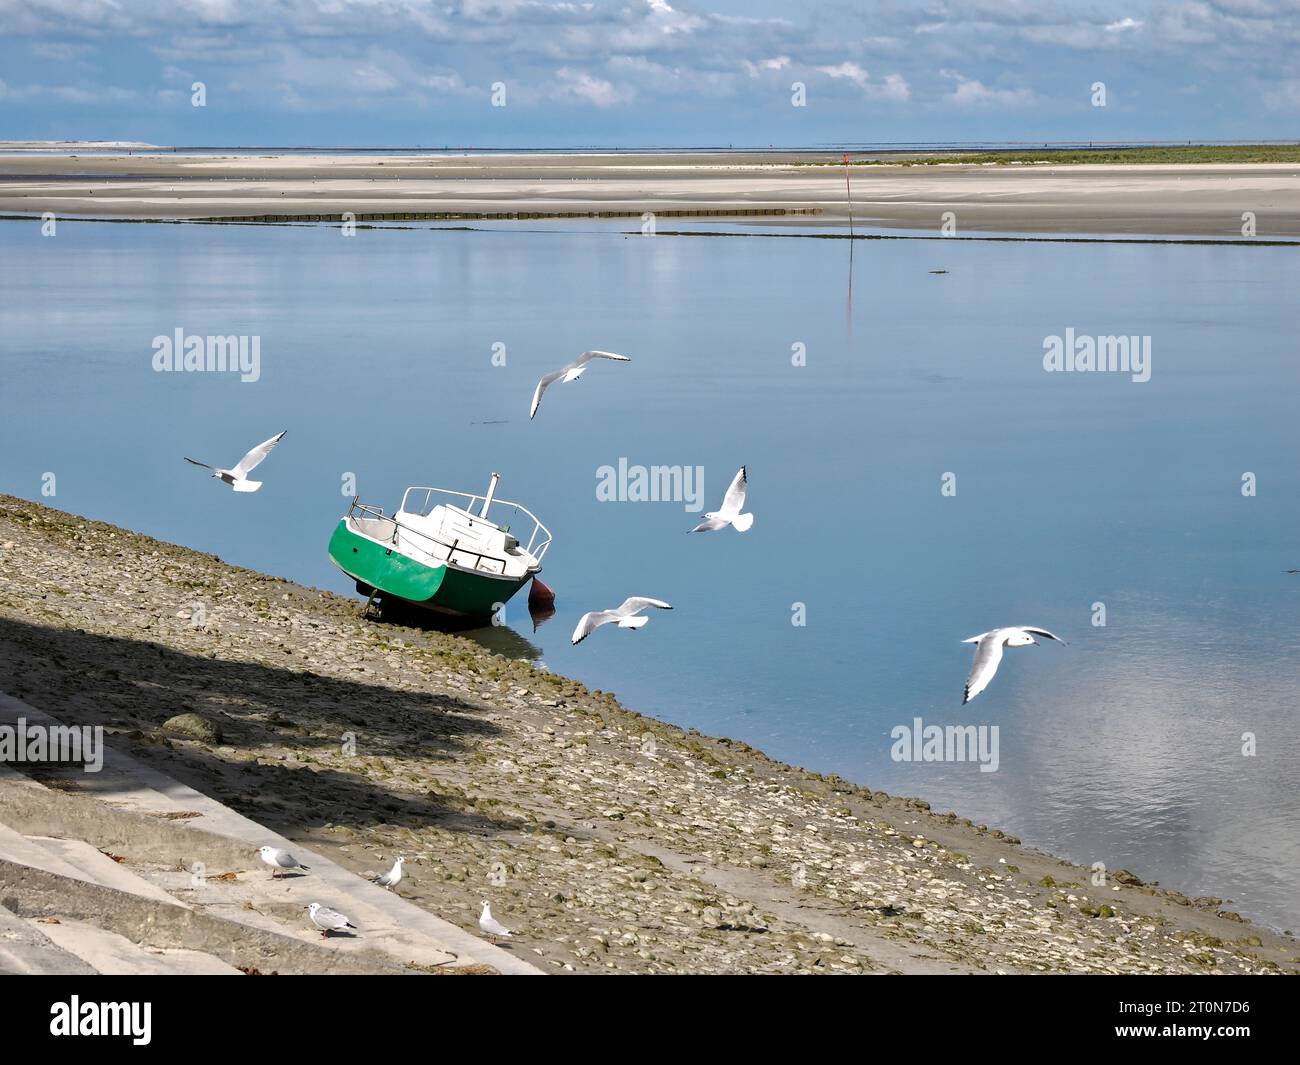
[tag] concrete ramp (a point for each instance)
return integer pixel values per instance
(153, 876)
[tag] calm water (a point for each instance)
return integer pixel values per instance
(1122, 747)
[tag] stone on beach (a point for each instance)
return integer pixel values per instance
(193, 727)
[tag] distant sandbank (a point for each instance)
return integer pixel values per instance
(1225, 200)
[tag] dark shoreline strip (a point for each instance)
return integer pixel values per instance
(334, 220)
(1027, 239)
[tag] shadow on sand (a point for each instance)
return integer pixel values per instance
(283, 717)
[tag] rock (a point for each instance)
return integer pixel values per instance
(193, 727)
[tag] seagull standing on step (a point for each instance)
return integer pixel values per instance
(278, 859)
(237, 478)
(572, 372)
(393, 877)
(627, 616)
(328, 920)
(988, 653)
(730, 514)
(489, 925)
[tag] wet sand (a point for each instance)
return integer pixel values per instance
(1206, 200)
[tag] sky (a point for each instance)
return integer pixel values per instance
(647, 73)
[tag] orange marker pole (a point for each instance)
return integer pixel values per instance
(848, 193)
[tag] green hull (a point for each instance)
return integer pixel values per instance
(437, 588)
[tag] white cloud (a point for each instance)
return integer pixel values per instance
(670, 20)
(893, 87)
(764, 66)
(970, 92)
(851, 71)
(596, 91)
(393, 56)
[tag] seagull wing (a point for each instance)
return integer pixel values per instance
(541, 387)
(494, 927)
(254, 458)
(988, 653)
(734, 501)
(638, 603)
(590, 622)
(1042, 632)
(711, 524)
(587, 356)
(198, 463)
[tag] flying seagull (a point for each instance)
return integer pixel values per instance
(278, 859)
(988, 653)
(391, 878)
(238, 477)
(327, 920)
(730, 513)
(490, 925)
(628, 616)
(572, 372)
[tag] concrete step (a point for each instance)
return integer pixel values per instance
(16, 847)
(114, 955)
(37, 896)
(256, 900)
(25, 951)
(99, 868)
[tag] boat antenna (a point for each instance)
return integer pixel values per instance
(487, 499)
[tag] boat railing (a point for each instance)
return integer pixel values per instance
(365, 511)
(500, 512)
(452, 550)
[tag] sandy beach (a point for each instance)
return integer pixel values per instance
(1206, 200)
(614, 842)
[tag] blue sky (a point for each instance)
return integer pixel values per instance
(627, 73)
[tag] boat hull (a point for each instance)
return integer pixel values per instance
(442, 588)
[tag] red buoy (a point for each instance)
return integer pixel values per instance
(540, 595)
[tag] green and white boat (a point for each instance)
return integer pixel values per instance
(447, 551)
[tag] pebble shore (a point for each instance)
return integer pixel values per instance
(610, 841)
